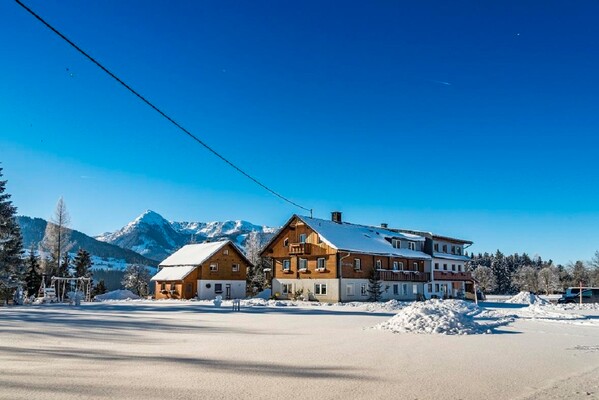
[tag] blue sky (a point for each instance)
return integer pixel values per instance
(473, 119)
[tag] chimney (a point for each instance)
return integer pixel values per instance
(384, 225)
(336, 216)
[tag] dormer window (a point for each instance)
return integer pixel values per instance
(444, 248)
(459, 250)
(436, 247)
(396, 243)
(412, 245)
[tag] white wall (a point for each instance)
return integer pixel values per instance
(208, 293)
(308, 286)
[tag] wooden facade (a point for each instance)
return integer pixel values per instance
(227, 264)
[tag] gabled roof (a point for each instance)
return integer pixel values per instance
(360, 238)
(196, 254)
(173, 273)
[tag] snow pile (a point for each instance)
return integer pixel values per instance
(446, 317)
(117, 295)
(526, 298)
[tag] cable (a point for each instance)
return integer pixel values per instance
(159, 111)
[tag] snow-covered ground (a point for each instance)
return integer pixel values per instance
(141, 349)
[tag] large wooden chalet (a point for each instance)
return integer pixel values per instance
(204, 270)
(331, 260)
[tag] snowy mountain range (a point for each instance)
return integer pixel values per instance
(154, 237)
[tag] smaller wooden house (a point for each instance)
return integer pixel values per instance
(203, 270)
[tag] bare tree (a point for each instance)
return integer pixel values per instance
(526, 279)
(136, 279)
(56, 242)
(485, 278)
(549, 279)
(594, 270)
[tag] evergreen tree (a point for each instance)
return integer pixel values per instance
(256, 278)
(83, 264)
(136, 279)
(579, 273)
(33, 278)
(99, 288)
(11, 242)
(375, 289)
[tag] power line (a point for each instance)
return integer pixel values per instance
(159, 111)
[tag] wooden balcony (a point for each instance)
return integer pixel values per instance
(452, 276)
(298, 249)
(404, 276)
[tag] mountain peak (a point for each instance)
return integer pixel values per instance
(151, 218)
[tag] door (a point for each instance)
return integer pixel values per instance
(228, 291)
(188, 290)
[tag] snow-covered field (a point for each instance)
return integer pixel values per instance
(140, 349)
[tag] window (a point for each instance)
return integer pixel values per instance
(415, 266)
(395, 289)
(404, 289)
(396, 243)
(235, 268)
(459, 251)
(395, 266)
(226, 252)
(453, 250)
(303, 264)
(444, 267)
(163, 286)
(364, 290)
(286, 242)
(320, 288)
(320, 263)
(444, 248)
(401, 266)
(173, 286)
(436, 246)
(287, 288)
(349, 289)
(459, 267)
(415, 288)
(412, 245)
(453, 267)
(430, 287)
(218, 288)
(436, 265)
(436, 287)
(286, 265)
(302, 238)
(357, 264)
(213, 267)
(379, 264)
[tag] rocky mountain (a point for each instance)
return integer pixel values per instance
(105, 255)
(152, 236)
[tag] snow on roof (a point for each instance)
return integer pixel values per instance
(364, 239)
(448, 256)
(173, 273)
(193, 254)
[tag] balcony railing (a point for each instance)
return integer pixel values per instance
(406, 276)
(452, 276)
(300, 248)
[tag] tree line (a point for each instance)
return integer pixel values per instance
(500, 274)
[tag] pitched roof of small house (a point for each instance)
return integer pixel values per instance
(173, 273)
(345, 236)
(196, 254)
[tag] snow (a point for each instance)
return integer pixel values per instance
(122, 294)
(173, 273)
(447, 317)
(193, 254)
(265, 294)
(526, 298)
(172, 349)
(361, 238)
(448, 256)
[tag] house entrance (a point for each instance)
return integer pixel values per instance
(228, 291)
